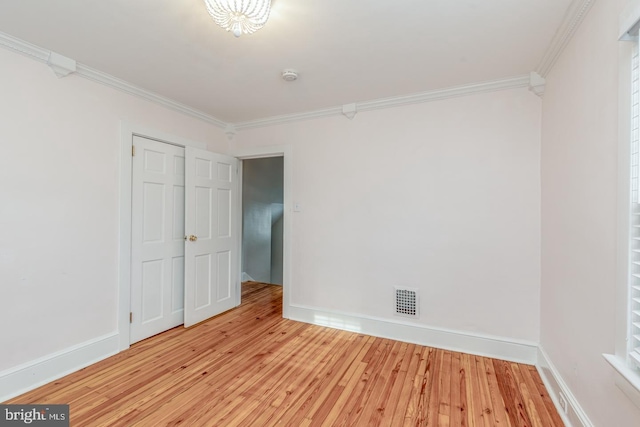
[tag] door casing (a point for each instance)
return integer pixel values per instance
(286, 152)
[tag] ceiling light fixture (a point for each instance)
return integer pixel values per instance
(239, 16)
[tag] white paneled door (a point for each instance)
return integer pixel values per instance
(157, 244)
(211, 251)
(184, 250)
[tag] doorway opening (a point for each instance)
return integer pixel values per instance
(263, 220)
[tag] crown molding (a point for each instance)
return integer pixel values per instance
(28, 49)
(537, 84)
(630, 22)
(576, 13)
(348, 110)
(43, 55)
(434, 95)
(116, 83)
(230, 131)
(286, 118)
(452, 92)
(61, 65)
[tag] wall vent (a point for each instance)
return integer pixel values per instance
(406, 302)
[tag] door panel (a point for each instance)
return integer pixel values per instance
(157, 244)
(224, 213)
(203, 212)
(211, 191)
(202, 281)
(177, 293)
(224, 275)
(152, 284)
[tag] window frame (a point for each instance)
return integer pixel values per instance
(633, 212)
(627, 376)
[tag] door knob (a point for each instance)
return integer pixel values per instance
(191, 238)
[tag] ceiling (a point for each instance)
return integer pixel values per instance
(345, 51)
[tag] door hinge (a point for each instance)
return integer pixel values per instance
(133, 150)
(130, 317)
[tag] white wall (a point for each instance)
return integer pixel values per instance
(442, 196)
(59, 173)
(579, 179)
(256, 241)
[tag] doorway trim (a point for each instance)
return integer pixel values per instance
(127, 132)
(286, 152)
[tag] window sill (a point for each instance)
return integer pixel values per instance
(627, 380)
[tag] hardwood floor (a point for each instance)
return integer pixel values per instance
(250, 367)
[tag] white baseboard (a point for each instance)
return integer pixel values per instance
(464, 342)
(26, 377)
(246, 277)
(575, 415)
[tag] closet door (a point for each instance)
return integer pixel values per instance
(157, 244)
(211, 249)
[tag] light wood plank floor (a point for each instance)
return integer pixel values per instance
(250, 367)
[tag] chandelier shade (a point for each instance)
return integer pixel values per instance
(239, 16)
